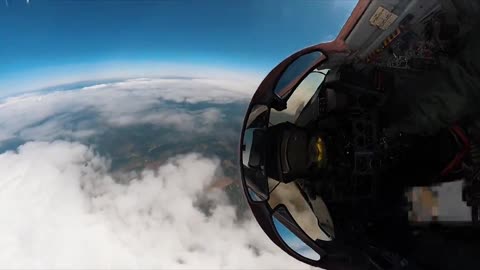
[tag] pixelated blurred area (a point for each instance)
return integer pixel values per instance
(442, 203)
(423, 204)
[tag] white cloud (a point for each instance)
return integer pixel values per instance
(60, 208)
(46, 116)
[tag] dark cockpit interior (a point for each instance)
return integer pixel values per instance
(372, 152)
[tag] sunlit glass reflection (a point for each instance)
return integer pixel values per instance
(295, 243)
(296, 69)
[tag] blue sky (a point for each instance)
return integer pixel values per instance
(41, 37)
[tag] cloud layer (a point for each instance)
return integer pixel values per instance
(60, 208)
(41, 116)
